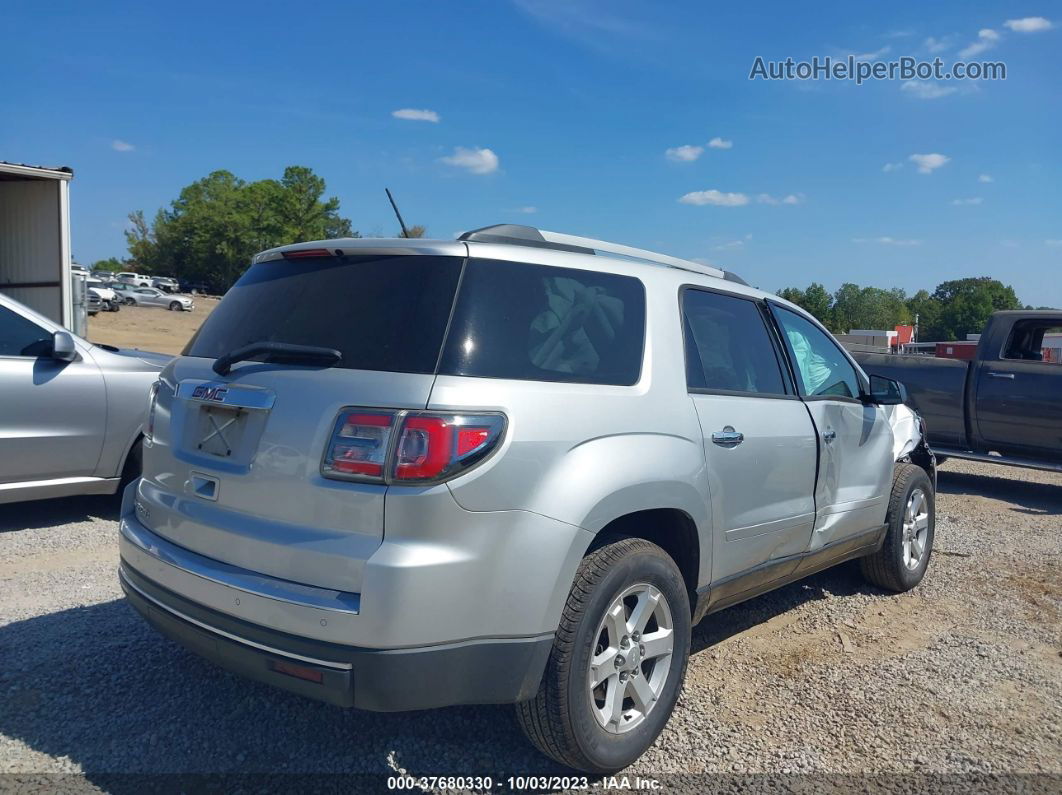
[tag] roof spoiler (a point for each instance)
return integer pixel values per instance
(518, 235)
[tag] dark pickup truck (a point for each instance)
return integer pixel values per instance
(1004, 406)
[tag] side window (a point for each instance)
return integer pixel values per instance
(728, 346)
(1035, 341)
(542, 323)
(22, 337)
(821, 368)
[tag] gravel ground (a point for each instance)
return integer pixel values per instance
(828, 676)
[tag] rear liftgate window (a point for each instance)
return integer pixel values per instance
(540, 323)
(381, 313)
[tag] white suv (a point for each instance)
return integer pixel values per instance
(134, 279)
(515, 467)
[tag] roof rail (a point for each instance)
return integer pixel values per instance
(515, 234)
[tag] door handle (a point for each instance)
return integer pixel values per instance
(829, 436)
(1002, 375)
(728, 437)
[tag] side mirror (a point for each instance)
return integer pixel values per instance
(63, 347)
(886, 391)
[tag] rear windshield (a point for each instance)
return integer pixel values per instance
(541, 323)
(381, 313)
(511, 320)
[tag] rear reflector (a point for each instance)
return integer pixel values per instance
(298, 671)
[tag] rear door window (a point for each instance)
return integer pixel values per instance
(1035, 341)
(381, 313)
(728, 346)
(540, 323)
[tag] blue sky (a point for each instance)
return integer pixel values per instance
(578, 103)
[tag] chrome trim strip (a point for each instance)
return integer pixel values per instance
(262, 585)
(221, 393)
(235, 638)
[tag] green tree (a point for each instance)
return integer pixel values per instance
(924, 308)
(112, 264)
(213, 228)
(413, 231)
(814, 299)
(856, 307)
(965, 305)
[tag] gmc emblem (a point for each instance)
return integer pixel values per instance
(215, 393)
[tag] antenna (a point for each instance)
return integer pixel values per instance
(401, 223)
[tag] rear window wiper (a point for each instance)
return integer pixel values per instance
(277, 351)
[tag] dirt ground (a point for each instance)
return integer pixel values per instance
(826, 685)
(150, 328)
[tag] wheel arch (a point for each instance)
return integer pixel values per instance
(672, 529)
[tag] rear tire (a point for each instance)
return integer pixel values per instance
(901, 562)
(613, 632)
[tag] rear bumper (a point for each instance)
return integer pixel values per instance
(487, 671)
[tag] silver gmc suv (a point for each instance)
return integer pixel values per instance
(516, 467)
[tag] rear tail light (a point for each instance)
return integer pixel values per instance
(409, 447)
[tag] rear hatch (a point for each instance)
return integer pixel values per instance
(232, 468)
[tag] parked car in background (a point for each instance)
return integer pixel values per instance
(197, 288)
(110, 299)
(166, 284)
(507, 469)
(1003, 406)
(135, 279)
(93, 303)
(121, 290)
(150, 296)
(73, 412)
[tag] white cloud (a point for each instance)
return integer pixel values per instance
(927, 164)
(891, 167)
(1053, 242)
(872, 56)
(730, 244)
(720, 143)
(526, 210)
(792, 198)
(718, 198)
(935, 45)
(985, 178)
(927, 89)
(685, 153)
(1028, 24)
(961, 202)
(412, 114)
(986, 40)
(885, 240)
(475, 160)
(119, 145)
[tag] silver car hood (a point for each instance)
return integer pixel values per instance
(131, 359)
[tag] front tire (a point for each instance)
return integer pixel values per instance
(175, 306)
(130, 302)
(618, 660)
(902, 561)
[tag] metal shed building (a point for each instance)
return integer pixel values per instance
(35, 239)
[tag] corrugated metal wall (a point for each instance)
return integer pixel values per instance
(31, 244)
